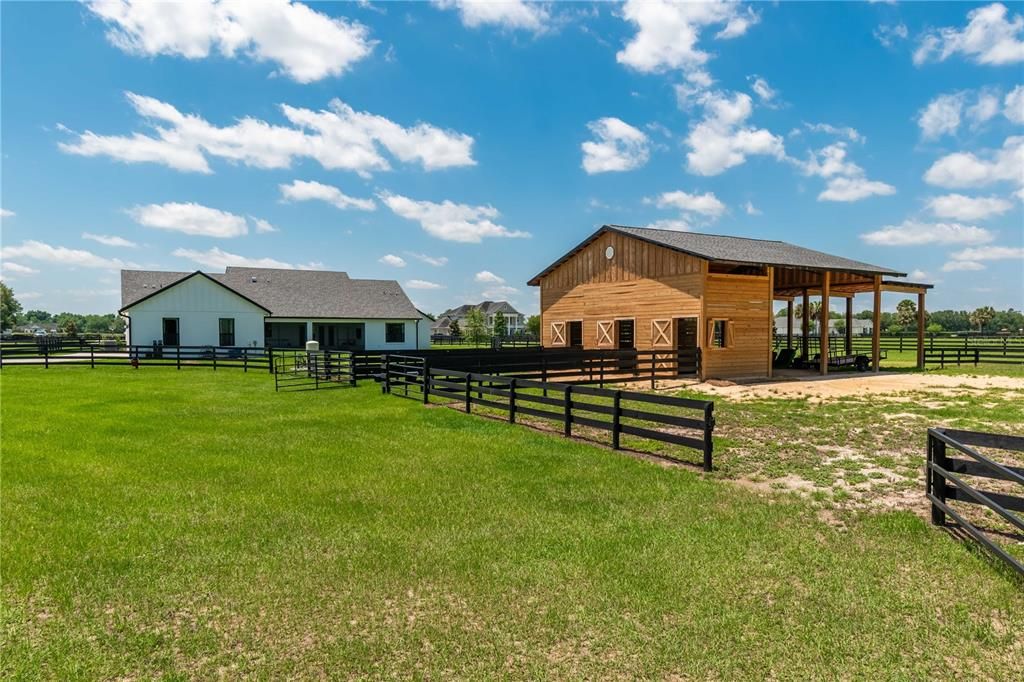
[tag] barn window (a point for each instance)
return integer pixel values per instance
(394, 332)
(720, 335)
(576, 334)
(226, 326)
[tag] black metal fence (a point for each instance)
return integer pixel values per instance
(100, 355)
(299, 370)
(973, 356)
(618, 412)
(944, 483)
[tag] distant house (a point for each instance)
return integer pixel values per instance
(259, 307)
(515, 322)
(860, 327)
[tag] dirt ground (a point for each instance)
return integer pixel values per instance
(824, 388)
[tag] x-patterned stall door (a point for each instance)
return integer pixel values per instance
(605, 331)
(558, 333)
(661, 333)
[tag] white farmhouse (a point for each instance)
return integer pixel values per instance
(258, 307)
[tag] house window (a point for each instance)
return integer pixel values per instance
(719, 334)
(394, 332)
(227, 331)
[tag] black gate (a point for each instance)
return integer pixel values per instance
(302, 370)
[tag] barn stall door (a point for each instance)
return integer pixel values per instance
(558, 334)
(605, 330)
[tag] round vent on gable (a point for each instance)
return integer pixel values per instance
(609, 252)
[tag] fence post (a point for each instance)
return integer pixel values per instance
(709, 428)
(937, 453)
(316, 369)
(654, 355)
(601, 376)
(512, 401)
(977, 353)
(46, 356)
(386, 387)
(215, 359)
(92, 357)
(245, 359)
(177, 356)
(426, 382)
(270, 359)
(568, 411)
(468, 397)
(616, 418)
(544, 373)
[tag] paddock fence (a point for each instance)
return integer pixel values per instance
(945, 483)
(664, 419)
(941, 349)
(105, 355)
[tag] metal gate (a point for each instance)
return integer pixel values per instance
(302, 370)
(403, 375)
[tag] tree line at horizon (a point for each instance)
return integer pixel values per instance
(985, 319)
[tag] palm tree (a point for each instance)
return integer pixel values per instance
(982, 316)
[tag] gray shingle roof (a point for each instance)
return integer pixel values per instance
(723, 248)
(486, 307)
(291, 293)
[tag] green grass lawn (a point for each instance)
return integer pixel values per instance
(195, 524)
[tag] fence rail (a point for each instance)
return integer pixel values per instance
(614, 411)
(938, 350)
(944, 483)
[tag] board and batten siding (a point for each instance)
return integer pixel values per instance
(198, 303)
(642, 281)
(743, 300)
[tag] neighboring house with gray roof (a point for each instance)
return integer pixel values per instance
(515, 322)
(259, 307)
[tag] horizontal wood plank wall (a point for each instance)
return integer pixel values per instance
(744, 301)
(642, 281)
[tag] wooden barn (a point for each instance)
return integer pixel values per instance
(647, 289)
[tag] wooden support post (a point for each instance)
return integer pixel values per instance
(270, 359)
(245, 359)
(512, 401)
(426, 381)
(771, 319)
(387, 374)
(920, 330)
(789, 324)
(568, 411)
(849, 325)
(805, 327)
(937, 482)
(46, 357)
(709, 427)
(469, 398)
(616, 419)
(92, 357)
(876, 324)
(824, 319)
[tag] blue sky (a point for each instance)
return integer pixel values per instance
(462, 147)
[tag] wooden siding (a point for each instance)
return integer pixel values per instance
(743, 300)
(643, 282)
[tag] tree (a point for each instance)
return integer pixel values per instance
(906, 313)
(33, 316)
(533, 325)
(500, 326)
(454, 329)
(9, 307)
(69, 326)
(933, 328)
(476, 326)
(982, 316)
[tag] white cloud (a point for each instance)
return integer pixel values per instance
(845, 179)
(190, 218)
(216, 258)
(962, 265)
(618, 147)
(506, 14)
(960, 207)
(307, 45)
(706, 204)
(988, 38)
(990, 253)
(17, 268)
(436, 261)
(761, 88)
(422, 284)
(498, 292)
(262, 226)
(109, 240)
(1014, 102)
(667, 33)
(392, 260)
(718, 142)
(28, 295)
(966, 169)
(36, 250)
(848, 132)
(984, 108)
(489, 277)
(941, 116)
(914, 233)
(4, 213)
(303, 190)
(450, 221)
(890, 34)
(339, 138)
(674, 224)
(751, 209)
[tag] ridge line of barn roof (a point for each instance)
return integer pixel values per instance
(705, 234)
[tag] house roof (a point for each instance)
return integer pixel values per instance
(726, 249)
(486, 307)
(289, 293)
